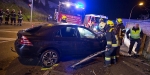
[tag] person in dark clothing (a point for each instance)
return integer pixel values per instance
(13, 17)
(110, 54)
(1, 16)
(20, 17)
(136, 35)
(120, 31)
(7, 15)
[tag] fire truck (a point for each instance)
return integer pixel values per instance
(92, 21)
(68, 12)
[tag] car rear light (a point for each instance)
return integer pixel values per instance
(25, 41)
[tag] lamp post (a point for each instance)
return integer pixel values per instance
(147, 11)
(31, 10)
(58, 11)
(140, 4)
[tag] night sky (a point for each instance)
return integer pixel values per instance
(114, 8)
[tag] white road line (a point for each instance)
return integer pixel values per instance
(8, 31)
(4, 39)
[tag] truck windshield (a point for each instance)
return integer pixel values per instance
(71, 10)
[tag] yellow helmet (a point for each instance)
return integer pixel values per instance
(64, 17)
(119, 20)
(110, 23)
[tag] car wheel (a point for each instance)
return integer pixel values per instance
(49, 58)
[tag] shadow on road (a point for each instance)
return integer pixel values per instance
(29, 61)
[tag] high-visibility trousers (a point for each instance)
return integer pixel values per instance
(110, 56)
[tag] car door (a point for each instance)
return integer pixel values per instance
(89, 41)
(65, 40)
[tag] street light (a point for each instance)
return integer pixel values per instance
(31, 10)
(140, 4)
(68, 4)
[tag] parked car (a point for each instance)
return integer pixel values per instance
(53, 42)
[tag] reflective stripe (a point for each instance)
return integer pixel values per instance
(114, 45)
(117, 56)
(123, 33)
(111, 29)
(20, 18)
(116, 37)
(113, 57)
(107, 58)
(123, 29)
(109, 42)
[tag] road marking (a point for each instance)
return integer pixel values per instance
(8, 31)
(4, 39)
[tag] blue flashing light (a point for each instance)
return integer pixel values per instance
(80, 5)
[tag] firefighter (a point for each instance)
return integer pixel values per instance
(20, 17)
(13, 17)
(120, 31)
(64, 19)
(7, 15)
(112, 44)
(136, 35)
(101, 24)
(1, 16)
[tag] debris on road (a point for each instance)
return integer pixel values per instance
(88, 58)
(12, 49)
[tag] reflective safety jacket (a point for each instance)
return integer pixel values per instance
(1, 14)
(13, 15)
(111, 37)
(20, 16)
(7, 14)
(135, 33)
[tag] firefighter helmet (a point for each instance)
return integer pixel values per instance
(101, 19)
(110, 23)
(119, 20)
(64, 17)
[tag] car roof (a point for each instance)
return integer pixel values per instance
(61, 25)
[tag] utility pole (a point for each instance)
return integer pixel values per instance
(31, 10)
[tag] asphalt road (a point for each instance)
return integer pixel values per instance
(11, 64)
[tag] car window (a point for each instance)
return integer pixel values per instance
(67, 32)
(84, 33)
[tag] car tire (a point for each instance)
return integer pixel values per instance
(49, 58)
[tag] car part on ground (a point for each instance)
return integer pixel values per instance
(88, 58)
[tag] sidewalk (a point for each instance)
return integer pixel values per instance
(24, 25)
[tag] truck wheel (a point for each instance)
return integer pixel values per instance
(49, 58)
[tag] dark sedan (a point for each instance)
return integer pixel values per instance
(52, 42)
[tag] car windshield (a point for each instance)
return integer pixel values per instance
(84, 33)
